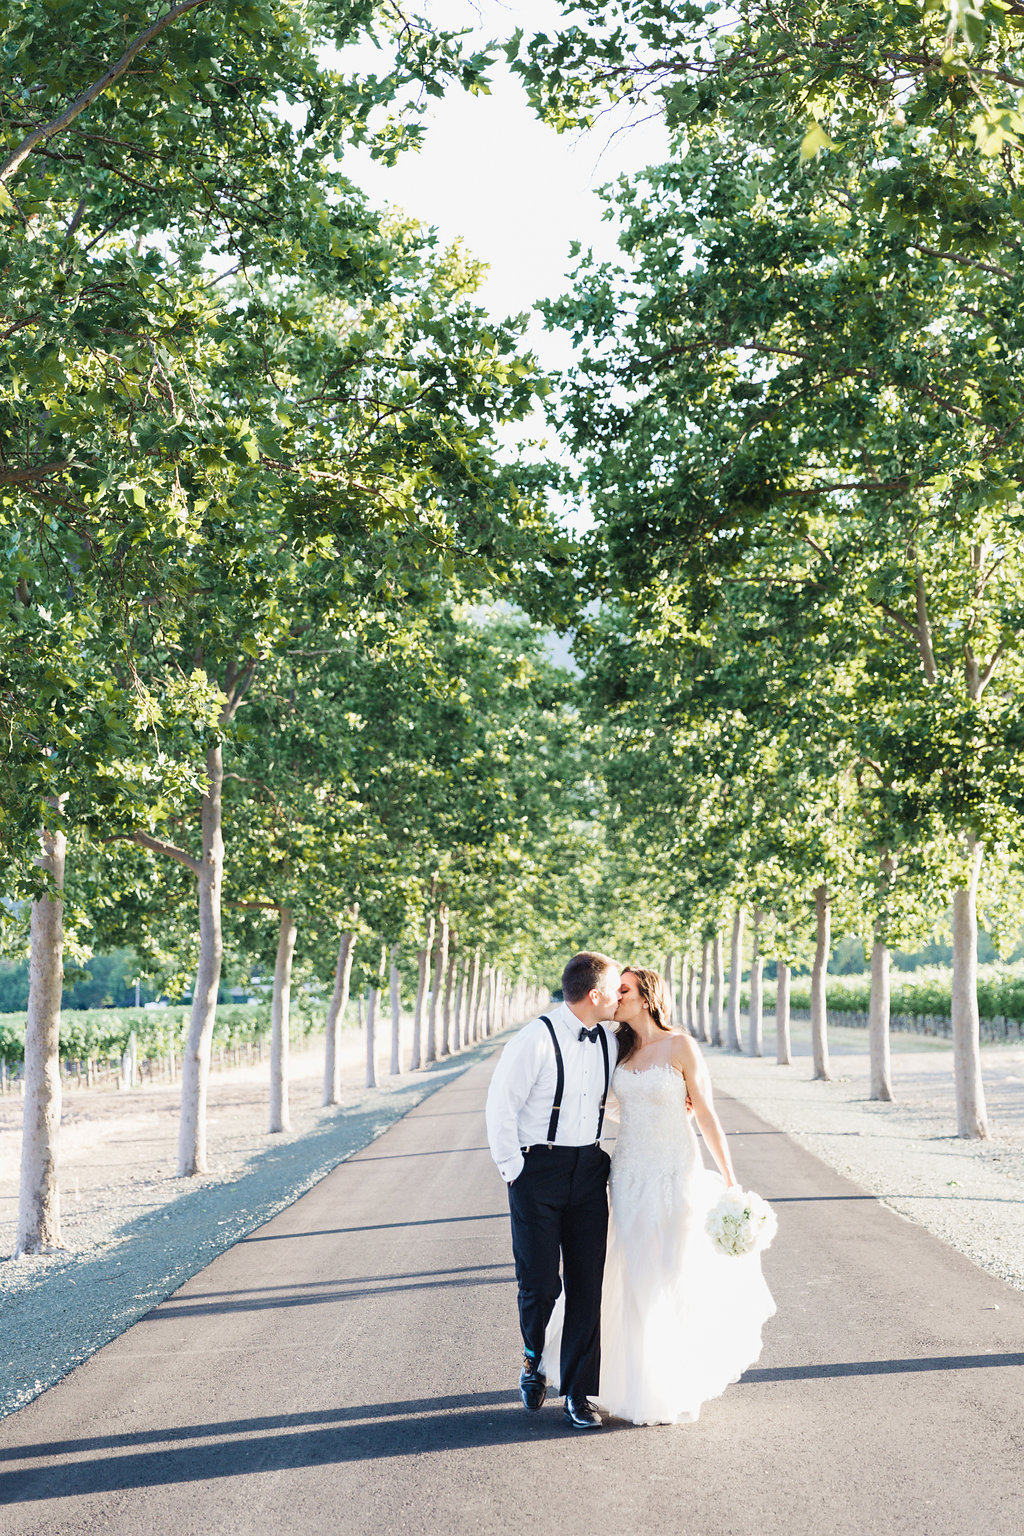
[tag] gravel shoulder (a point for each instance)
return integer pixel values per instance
(968, 1193)
(135, 1232)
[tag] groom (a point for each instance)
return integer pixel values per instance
(545, 1113)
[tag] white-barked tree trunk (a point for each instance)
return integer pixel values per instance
(819, 983)
(396, 1016)
(971, 1114)
(703, 998)
(460, 1035)
(423, 957)
(473, 1000)
(195, 1061)
(693, 1005)
(878, 1022)
(755, 1030)
(491, 995)
(336, 1016)
(448, 1043)
(670, 986)
(38, 1228)
(371, 1042)
(280, 1024)
(783, 1044)
(736, 980)
(372, 1006)
(717, 989)
(440, 967)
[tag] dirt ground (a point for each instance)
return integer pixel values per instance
(969, 1193)
(118, 1150)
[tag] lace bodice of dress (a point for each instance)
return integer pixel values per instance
(656, 1145)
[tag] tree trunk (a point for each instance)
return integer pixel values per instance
(692, 1003)
(489, 1013)
(755, 1033)
(497, 993)
(460, 1035)
(130, 1063)
(280, 1019)
(396, 1016)
(703, 1007)
(440, 967)
(684, 994)
(195, 1060)
(878, 1023)
(481, 1001)
(448, 1042)
(717, 990)
(670, 986)
(472, 998)
(39, 1196)
(336, 1017)
(371, 1018)
(971, 1116)
(371, 1044)
(819, 976)
(735, 980)
(423, 966)
(783, 1049)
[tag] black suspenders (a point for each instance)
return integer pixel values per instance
(607, 1080)
(560, 1082)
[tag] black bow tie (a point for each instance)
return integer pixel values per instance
(590, 1034)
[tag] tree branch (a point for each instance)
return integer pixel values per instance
(961, 261)
(818, 549)
(924, 629)
(986, 676)
(897, 618)
(156, 845)
(850, 485)
(85, 99)
(236, 682)
(39, 472)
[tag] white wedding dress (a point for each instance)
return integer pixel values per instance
(680, 1320)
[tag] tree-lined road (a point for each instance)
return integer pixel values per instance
(351, 1367)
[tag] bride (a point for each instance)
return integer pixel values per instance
(680, 1320)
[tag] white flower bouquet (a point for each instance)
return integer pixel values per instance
(741, 1222)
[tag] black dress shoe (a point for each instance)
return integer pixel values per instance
(533, 1386)
(581, 1413)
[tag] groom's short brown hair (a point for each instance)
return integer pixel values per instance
(583, 973)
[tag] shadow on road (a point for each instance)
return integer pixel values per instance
(382, 1226)
(275, 1443)
(878, 1367)
(309, 1285)
(366, 1432)
(333, 1291)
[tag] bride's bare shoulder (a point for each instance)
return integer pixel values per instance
(683, 1048)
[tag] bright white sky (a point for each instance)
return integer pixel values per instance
(516, 191)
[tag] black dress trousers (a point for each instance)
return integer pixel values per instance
(559, 1206)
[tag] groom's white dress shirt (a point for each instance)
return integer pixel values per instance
(522, 1089)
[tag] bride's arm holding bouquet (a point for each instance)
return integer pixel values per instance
(686, 1058)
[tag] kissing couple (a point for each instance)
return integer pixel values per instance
(679, 1319)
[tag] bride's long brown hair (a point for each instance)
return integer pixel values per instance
(654, 996)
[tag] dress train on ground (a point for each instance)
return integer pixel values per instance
(680, 1319)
